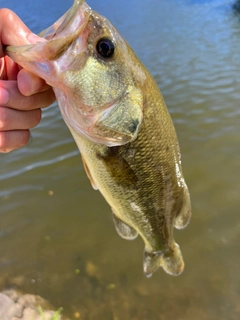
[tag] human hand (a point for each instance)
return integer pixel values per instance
(22, 94)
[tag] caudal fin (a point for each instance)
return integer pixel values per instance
(171, 261)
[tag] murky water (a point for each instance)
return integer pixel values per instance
(57, 236)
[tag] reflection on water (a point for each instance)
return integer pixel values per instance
(57, 237)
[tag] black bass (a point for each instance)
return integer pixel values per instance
(121, 125)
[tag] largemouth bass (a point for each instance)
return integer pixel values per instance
(119, 120)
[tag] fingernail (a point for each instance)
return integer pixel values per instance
(4, 96)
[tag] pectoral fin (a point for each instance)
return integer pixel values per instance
(118, 168)
(89, 174)
(123, 229)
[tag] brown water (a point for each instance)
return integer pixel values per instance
(56, 232)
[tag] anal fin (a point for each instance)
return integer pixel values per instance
(123, 229)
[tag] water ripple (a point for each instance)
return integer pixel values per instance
(13, 228)
(35, 165)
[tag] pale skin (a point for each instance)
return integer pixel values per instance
(22, 94)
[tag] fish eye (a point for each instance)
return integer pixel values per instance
(105, 48)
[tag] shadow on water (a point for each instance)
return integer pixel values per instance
(236, 6)
(57, 235)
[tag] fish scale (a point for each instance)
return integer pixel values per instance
(121, 125)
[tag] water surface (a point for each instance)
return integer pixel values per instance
(57, 235)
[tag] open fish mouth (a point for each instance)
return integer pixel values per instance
(67, 21)
(59, 37)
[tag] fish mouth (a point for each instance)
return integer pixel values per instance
(55, 40)
(70, 23)
(64, 23)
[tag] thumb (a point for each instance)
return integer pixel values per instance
(13, 31)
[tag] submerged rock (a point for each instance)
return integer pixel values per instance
(17, 306)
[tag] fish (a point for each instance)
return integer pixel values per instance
(119, 120)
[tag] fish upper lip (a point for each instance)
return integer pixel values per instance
(72, 14)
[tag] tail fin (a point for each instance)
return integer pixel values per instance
(171, 261)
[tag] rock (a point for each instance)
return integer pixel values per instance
(7, 307)
(15, 306)
(91, 270)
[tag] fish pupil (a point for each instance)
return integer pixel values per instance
(105, 48)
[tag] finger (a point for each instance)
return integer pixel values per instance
(11, 119)
(8, 69)
(29, 83)
(3, 71)
(13, 31)
(11, 97)
(11, 140)
(11, 69)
